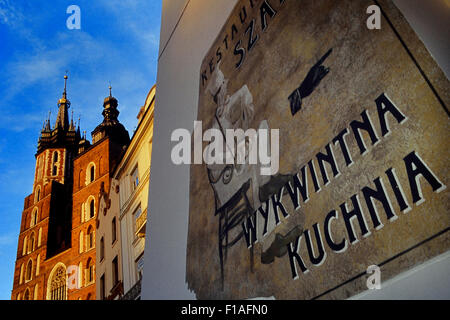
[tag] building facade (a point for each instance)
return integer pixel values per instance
(56, 257)
(238, 34)
(123, 215)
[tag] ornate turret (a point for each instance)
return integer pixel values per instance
(111, 126)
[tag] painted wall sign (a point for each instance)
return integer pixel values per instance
(363, 143)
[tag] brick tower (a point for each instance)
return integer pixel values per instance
(56, 246)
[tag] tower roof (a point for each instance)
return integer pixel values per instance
(63, 134)
(62, 119)
(110, 125)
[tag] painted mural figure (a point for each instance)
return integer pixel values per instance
(233, 112)
(231, 182)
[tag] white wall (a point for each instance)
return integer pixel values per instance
(176, 107)
(181, 52)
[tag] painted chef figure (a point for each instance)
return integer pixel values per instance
(233, 112)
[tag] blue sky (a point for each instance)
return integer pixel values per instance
(118, 43)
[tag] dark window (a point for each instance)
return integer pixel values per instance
(102, 287)
(29, 270)
(135, 178)
(55, 170)
(92, 173)
(102, 249)
(115, 270)
(55, 157)
(89, 271)
(114, 230)
(91, 208)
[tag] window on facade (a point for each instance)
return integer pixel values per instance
(115, 271)
(140, 266)
(102, 249)
(54, 166)
(102, 287)
(29, 271)
(92, 208)
(31, 243)
(137, 212)
(135, 178)
(26, 296)
(58, 284)
(37, 195)
(90, 277)
(92, 177)
(90, 238)
(114, 230)
(33, 221)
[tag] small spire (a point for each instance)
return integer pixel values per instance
(78, 129)
(65, 85)
(72, 127)
(110, 94)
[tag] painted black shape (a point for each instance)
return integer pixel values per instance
(278, 248)
(231, 215)
(312, 80)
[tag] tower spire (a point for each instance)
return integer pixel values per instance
(62, 119)
(65, 86)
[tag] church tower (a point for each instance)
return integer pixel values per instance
(56, 245)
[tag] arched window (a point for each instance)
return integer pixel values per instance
(56, 287)
(89, 275)
(54, 165)
(34, 217)
(26, 295)
(29, 270)
(37, 194)
(91, 208)
(92, 174)
(90, 238)
(31, 243)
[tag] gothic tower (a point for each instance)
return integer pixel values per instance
(56, 245)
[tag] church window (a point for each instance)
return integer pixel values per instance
(57, 288)
(26, 295)
(90, 238)
(90, 277)
(29, 270)
(91, 208)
